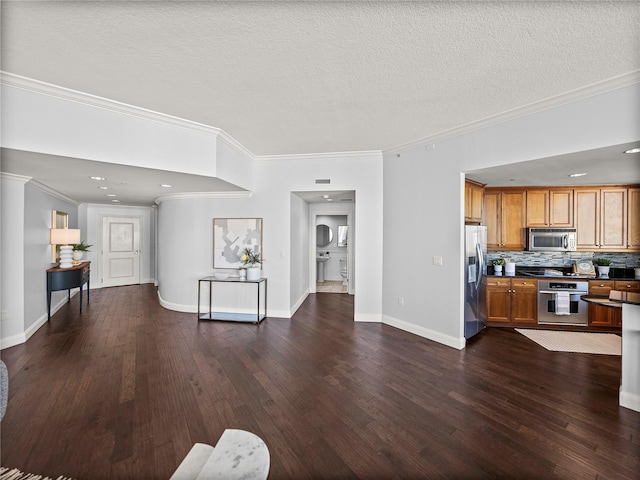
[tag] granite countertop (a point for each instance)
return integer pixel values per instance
(538, 272)
(624, 297)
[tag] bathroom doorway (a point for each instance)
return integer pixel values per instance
(331, 253)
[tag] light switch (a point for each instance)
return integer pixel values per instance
(437, 261)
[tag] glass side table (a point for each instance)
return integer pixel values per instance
(248, 317)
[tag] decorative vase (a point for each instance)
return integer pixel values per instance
(253, 273)
(603, 271)
(242, 273)
(497, 268)
(78, 255)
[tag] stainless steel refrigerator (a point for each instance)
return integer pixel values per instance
(475, 271)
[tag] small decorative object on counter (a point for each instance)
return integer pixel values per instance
(603, 267)
(497, 265)
(242, 273)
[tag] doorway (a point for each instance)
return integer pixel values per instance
(120, 251)
(331, 253)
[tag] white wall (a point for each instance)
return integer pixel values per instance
(185, 231)
(299, 254)
(424, 201)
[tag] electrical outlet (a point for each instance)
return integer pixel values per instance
(5, 315)
(437, 261)
(401, 301)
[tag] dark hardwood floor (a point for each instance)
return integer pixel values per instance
(123, 390)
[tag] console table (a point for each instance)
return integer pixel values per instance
(66, 279)
(256, 317)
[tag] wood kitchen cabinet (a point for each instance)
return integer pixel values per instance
(473, 201)
(600, 216)
(550, 208)
(505, 217)
(600, 315)
(633, 224)
(511, 301)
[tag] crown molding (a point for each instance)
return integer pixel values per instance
(14, 178)
(320, 156)
(199, 195)
(581, 93)
(50, 191)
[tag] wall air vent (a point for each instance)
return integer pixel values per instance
(346, 199)
(323, 181)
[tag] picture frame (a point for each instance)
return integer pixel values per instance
(231, 236)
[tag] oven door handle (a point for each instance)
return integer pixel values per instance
(572, 292)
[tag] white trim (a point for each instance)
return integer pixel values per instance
(14, 178)
(449, 341)
(178, 307)
(581, 93)
(50, 191)
(629, 400)
(28, 333)
(181, 196)
(298, 304)
(51, 90)
(320, 156)
(367, 317)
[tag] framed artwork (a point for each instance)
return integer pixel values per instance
(58, 220)
(231, 236)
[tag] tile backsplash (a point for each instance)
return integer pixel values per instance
(563, 259)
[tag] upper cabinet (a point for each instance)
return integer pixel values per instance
(633, 225)
(473, 201)
(505, 216)
(550, 208)
(601, 218)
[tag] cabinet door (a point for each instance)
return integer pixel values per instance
(613, 219)
(513, 219)
(537, 208)
(498, 301)
(561, 208)
(601, 287)
(633, 214)
(492, 219)
(601, 316)
(587, 218)
(473, 202)
(524, 302)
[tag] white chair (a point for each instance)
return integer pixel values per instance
(237, 455)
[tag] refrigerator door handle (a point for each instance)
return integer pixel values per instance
(480, 266)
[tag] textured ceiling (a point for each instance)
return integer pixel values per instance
(304, 77)
(310, 77)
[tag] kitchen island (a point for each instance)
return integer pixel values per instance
(629, 396)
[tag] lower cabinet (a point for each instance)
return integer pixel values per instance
(601, 316)
(511, 301)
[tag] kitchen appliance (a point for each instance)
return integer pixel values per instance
(560, 302)
(551, 239)
(475, 269)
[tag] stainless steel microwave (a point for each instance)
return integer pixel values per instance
(551, 239)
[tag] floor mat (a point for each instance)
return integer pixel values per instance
(578, 342)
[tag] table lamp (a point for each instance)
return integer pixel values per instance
(66, 238)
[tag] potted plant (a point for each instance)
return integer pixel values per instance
(497, 264)
(78, 251)
(252, 261)
(603, 265)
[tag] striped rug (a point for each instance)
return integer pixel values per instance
(578, 342)
(15, 474)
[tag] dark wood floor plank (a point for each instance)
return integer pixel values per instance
(123, 390)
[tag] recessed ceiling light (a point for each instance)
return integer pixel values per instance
(633, 150)
(103, 188)
(325, 196)
(329, 199)
(115, 201)
(111, 195)
(578, 174)
(166, 185)
(100, 179)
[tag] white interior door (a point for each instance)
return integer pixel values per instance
(120, 251)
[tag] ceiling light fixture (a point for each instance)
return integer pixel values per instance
(111, 195)
(325, 196)
(166, 185)
(115, 201)
(103, 188)
(633, 150)
(99, 179)
(329, 199)
(573, 175)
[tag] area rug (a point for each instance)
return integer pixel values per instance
(15, 474)
(578, 342)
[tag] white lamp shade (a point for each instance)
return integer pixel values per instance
(65, 236)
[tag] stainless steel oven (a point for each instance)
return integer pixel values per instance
(560, 302)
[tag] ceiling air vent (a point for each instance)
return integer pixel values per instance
(323, 181)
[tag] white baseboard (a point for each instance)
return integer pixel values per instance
(20, 338)
(449, 341)
(298, 304)
(177, 307)
(367, 317)
(629, 400)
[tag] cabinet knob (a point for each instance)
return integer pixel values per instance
(524, 283)
(602, 284)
